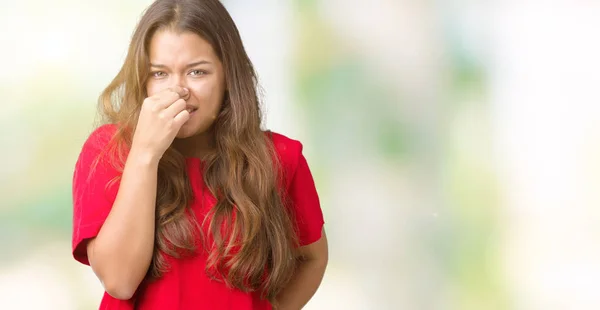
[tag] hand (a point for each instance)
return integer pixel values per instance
(161, 118)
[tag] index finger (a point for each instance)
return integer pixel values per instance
(182, 92)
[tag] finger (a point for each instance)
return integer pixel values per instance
(182, 92)
(164, 99)
(174, 109)
(181, 118)
(170, 95)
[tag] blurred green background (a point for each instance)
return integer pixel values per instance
(454, 144)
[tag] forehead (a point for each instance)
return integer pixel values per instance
(169, 47)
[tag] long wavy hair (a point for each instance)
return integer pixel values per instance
(253, 238)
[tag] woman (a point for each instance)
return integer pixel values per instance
(180, 200)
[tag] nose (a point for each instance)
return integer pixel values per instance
(187, 95)
(179, 81)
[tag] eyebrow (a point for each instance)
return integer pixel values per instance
(193, 64)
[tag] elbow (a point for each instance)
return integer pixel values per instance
(322, 262)
(119, 278)
(316, 262)
(118, 283)
(120, 286)
(119, 289)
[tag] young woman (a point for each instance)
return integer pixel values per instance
(180, 200)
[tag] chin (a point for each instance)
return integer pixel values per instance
(187, 131)
(183, 133)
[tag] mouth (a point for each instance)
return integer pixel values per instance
(191, 109)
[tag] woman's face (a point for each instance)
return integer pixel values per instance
(187, 60)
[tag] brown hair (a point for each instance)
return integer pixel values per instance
(255, 251)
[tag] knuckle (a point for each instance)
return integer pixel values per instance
(155, 108)
(149, 104)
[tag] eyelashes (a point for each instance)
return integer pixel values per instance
(198, 72)
(194, 73)
(157, 74)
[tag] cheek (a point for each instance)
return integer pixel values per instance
(209, 95)
(152, 88)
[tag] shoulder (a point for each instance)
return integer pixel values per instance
(96, 145)
(288, 151)
(287, 148)
(100, 137)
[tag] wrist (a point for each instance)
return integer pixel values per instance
(143, 158)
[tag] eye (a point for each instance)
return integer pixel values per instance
(197, 72)
(158, 74)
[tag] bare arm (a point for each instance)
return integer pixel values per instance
(307, 278)
(121, 253)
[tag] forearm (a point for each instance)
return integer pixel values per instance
(121, 253)
(303, 285)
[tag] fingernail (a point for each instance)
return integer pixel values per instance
(186, 90)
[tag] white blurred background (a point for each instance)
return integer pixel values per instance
(455, 144)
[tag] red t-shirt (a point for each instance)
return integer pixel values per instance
(185, 285)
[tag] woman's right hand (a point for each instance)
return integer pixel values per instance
(161, 118)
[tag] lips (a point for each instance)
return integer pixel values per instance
(191, 109)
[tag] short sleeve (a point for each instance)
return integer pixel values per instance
(300, 191)
(95, 186)
(305, 202)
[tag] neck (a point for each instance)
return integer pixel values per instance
(197, 146)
